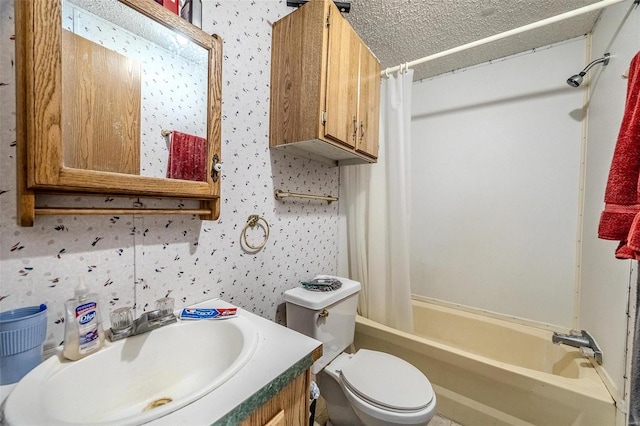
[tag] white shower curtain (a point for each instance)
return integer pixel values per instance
(378, 213)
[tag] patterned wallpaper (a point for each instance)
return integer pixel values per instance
(134, 260)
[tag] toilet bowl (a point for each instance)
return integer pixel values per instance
(367, 388)
(373, 388)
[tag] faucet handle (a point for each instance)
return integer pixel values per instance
(121, 319)
(587, 352)
(165, 306)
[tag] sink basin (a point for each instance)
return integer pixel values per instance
(137, 379)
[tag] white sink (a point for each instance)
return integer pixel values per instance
(168, 368)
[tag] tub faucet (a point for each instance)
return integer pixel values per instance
(580, 339)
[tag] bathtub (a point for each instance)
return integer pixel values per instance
(488, 371)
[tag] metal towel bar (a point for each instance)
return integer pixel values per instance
(281, 195)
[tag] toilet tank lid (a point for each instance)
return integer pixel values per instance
(321, 299)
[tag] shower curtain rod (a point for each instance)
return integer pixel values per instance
(552, 20)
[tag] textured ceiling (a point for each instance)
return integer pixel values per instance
(399, 31)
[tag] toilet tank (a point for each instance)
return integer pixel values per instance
(327, 316)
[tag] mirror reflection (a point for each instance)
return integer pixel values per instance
(125, 79)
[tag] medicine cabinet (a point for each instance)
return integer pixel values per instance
(100, 88)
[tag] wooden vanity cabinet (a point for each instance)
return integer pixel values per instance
(289, 407)
(325, 88)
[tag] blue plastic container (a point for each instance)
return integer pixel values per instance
(22, 333)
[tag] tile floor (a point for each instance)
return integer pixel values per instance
(442, 421)
(436, 421)
(321, 417)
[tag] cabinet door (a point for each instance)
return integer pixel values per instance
(341, 102)
(369, 104)
(289, 407)
(57, 161)
(277, 420)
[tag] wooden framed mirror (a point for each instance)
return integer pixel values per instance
(97, 99)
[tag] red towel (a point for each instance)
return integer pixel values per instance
(187, 157)
(620, 219)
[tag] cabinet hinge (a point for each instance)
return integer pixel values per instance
(327, 20)
(324, 117)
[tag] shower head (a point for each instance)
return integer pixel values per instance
(576, 80)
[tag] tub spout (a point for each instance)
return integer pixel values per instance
(580, 339)
(575, 340)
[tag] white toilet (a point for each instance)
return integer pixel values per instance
(366, 388)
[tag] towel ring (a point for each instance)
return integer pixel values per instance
(253, 221)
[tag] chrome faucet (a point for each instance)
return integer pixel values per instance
(580, 339)
(123, 325)
(151, 320)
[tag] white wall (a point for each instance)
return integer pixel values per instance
(605, 280)
(495, 186)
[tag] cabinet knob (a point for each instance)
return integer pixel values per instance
(217, 166)
(361, 131)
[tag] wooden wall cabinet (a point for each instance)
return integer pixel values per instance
(48, 161)
(289, 407)
(325, 88)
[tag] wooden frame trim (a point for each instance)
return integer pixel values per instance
(39, 113)
(25, 199)
(115, 211)
(43, 69)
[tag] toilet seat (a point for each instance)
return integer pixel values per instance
(386, 381)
